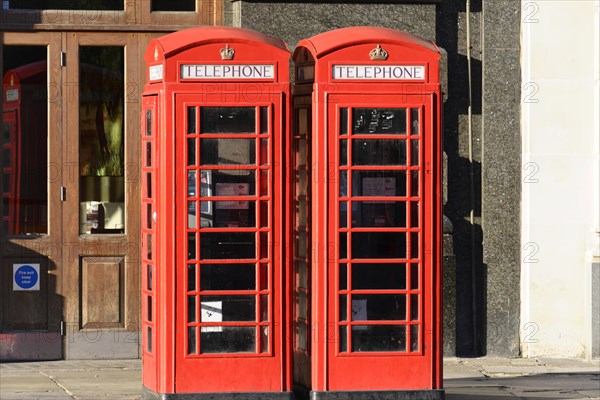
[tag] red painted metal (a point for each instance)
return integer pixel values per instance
(190, 74)
(381, 74)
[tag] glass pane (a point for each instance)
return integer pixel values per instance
(231, 182)
(192, 183)
(191, 309)
(192, 340)
(264, 277)
(149, 185)
(264, 151)
(101, 139)
(414, 245)
(228, 339)
(414, 183)
(343, 246)
(414, 276)
(192, 246)
(379, 214)
(149, 308)
(302, 121)
(378, 152)
(343, 308)
(302, 336)
(343, 339)
(344, 152)
(228, 308)
(149, 246)
(378, 245)
(302, 305)
(264, 339)
(343, 121)
(65, 5)
(227, 277)
(191, 152)
(414, 121)
(227, 245)
(227, 152)
(264, 120)
(149, 274)
(24, 168)
(264, 307)
(148, 122)
(343, 276)
(378, 307)
(231, 213)
(414, 152)
(149, 216)
(302, 269)
(414, 215)
(192, 214)
(379, 120)
(227, 120)
(379, 183)
(414, 307)
(378, 276)
(191, 120)
(343, 214)
(264, 245)
(173, 5)
(414, 338)
(149, 339)
(191, 278)
(379, 338)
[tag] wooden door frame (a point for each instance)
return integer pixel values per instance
(46, 344)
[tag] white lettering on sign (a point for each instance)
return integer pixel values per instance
(156, 72)
(12, 95)
(379, 72)
(228, 71)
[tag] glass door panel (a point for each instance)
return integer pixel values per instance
(101, 140)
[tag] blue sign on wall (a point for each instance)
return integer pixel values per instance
(26, 276)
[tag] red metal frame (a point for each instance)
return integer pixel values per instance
(178, 364)
(332, 369)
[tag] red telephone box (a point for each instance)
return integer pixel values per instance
(214, 116)
(367, 143)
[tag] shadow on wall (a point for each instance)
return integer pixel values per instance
(464, 175)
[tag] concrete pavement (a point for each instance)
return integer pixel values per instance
(464, 379)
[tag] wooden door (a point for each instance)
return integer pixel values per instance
(31, 232)
(101, 208)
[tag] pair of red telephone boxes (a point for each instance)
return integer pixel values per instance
(291, 231)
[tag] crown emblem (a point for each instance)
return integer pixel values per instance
(12, 80)
(227, 53)
(378, 54)
(156, 54)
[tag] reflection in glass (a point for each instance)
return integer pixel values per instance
(414, 338)
(379, 183)
(264, 339)
(227, 152)
(414, 152)
(379, 214)
(227, 120)
(378, 152)
(378, 307)
(24, 141)
(414, 121)
(379, 120)
(264, 120)
(379, 338)
(414, 307)
(344, 152)
(101, 144)
(228, 308)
